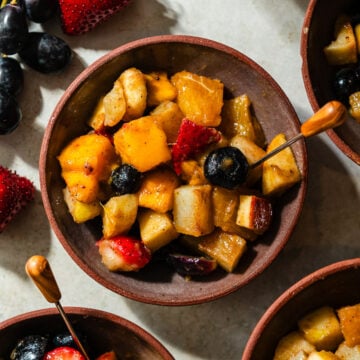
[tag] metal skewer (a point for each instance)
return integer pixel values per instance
(331, 115)
(38, 269)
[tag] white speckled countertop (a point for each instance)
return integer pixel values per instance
(268, 31)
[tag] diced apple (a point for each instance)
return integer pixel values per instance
(280, 172)
(156, 229)
(345, 352)
(80, 211)
(97, 119)
(119, 214)
(291, 344)
(193, 214)
(321, 327)
(254, 213)
(349, 317)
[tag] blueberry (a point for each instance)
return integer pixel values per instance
(125, 179)
(226, 167)
(10, 113)
(40, 11)
(11, 75)
(346, 82)
(32, 347)
(45, 53)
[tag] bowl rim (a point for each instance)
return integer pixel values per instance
(335, 138)
(95, 313)
(143, 42)
(288, 294)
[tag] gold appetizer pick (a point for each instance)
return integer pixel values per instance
(38, 269)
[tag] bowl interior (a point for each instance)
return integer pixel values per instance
(156, 283)
(332, 286)
(318, 32)
(103, 332)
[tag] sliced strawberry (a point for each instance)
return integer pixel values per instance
(80, 16)
(107, 356)
(123, 253)
(15, 193)
(191, 139)
(64, 353)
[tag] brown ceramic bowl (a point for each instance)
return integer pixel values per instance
(317, 32)
(103, 332)
(156, 284)
(335, 285)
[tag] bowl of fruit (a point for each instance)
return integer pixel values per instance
(329, 50)
(151, 171)
(316, 318)
(42, 334)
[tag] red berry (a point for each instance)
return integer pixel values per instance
(64, 353)
(107, 356)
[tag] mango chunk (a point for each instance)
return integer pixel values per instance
(159, 88)
(349, 317)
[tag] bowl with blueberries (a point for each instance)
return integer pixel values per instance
(42, 334)
(329, 50)
(152, 190)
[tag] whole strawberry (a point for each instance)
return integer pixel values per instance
(80, 16)
(15, 193)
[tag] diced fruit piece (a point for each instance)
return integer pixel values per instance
(97, 119)
(157, 189)
(187, 265)
(169, 117)
(349, 317)
(226, 167)
(110, 355)
(80, 211)
(345, 352)
(238, 119)
(16, 192)
(322, 355)
(156, 229)
(252, 153)
(134, 85)
(343, 49)
(114, 104)
(280, 172)
(225, 206)
(191, 140)
(81, 16)
(64, 353)
(85, 162)
(125, 179)
(119, 214)
(192, 211)
(254, 213)
(354, 101)
(291, 344)
(225, 248)
(321, 327)
(123, 253)
(30, 347)
(159, 88)
(193, 173)
(356, 30)
(301, 355)
(142, 144)
(199, 97)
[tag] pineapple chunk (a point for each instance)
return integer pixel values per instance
(80, 211)
(343, 49)
(157, 190)
(291, 344)
(253, 153)
(354, 101)
(159, 88)
(323, 355)
(238, 119)
(119, 214)
(349, 317)
(199, 97)
(97, 118)
(156, 229)
(192, 173)
(225, 248)
(322, 328)
(345, 352)
(114, 104)
(134, 84)
(254, 213)
(142, 144)
(225, 205)
(193, 214)
(280, 172)
(168, 117)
